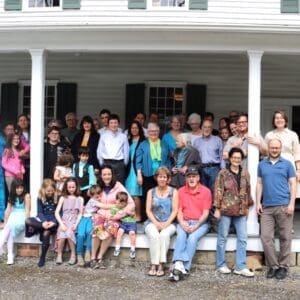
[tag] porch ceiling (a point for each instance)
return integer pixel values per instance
(149, 41)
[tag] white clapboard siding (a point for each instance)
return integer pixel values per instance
(102, 78)
(116, 13)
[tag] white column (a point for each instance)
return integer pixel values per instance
(38, 58)
(254, 93)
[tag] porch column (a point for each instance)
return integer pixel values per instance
(254, 91)
(38, 58)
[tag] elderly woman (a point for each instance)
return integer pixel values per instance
(161, 208)
(195, 123)
(169, 140)
(184, 156)
(110, 187)
(148, 159)
(231, 201)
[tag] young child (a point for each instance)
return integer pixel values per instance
(127, 225)
(68, 214)
(84, 172)
(18, 209)
(12, 163)
(63, 169)
(85, 227)
(45, 222)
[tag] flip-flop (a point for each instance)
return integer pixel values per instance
(152, 272)
(160, 273)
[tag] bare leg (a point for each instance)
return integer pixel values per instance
(119, 237)
(72, 248)
(103, 247)
(132, 237)
(95, 247)
(137, 202)
(60, 247)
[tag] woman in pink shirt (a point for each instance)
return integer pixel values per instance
(110, 188)
(12, 163)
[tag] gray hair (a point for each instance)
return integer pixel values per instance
(185, 138)
(152, 126)
(194, 117)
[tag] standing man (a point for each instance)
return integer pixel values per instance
(210, 148)
(71, 130)
(194, 204)
(276, 182)
(113, 148)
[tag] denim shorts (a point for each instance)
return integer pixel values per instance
(128, 226)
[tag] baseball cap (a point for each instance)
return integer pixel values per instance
(192, 170)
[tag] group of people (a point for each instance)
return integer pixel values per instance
(100, 182)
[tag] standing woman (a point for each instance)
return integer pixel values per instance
(110, 187)
(289, 139)
(169, 140)
(148, 159)
(194, 121)
(2, 183)
(136, 136)
(161, 209)
(87, 137)
(231, 201)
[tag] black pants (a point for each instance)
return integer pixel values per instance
(148, 184)
(118, 168)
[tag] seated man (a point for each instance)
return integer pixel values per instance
(195, 201)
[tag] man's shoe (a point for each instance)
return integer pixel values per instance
(224, 270)
(245, 272)
(281, 273)
(271, 272)
(179, 268)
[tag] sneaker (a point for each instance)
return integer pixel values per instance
(179, 268)
(117, 252)
(87, 256)
(72, 260)
(132, 254)
(224, 270)
(173, 277)
(10, 259)
(80, 261)
(245, 272)
(59, 260)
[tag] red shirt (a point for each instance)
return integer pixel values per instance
(193, 203)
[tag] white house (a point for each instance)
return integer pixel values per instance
(166, 55)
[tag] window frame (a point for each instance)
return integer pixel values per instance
(167, 8)
(25, 7)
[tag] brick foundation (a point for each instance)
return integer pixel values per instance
(27, 250)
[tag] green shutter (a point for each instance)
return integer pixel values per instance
(289, 6)
(9, 102)
(195, 99)
(66, 99)
(198, 4)
(71, 4)
(13, 4)
(137, 4)
(135, 100)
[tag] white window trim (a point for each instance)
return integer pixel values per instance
(23, 83)
(25, 7)
(174, 84)
(167, 8)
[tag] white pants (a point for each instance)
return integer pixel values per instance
(159, 242)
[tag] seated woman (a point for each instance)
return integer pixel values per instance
(110, 187)
(161, 209)
(184, 156)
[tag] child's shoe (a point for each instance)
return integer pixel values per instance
(72, 261)
(59, 260)
(87, 257)
(80, 261)
(132, 254)
(10, 259)
(117, 252)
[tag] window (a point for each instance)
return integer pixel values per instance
(43, 3)
(50, 100)
(290, 6)
(168, 3)
(166, 99)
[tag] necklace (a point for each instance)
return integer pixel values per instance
(161, 192)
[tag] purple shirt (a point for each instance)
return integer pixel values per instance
(210, 150)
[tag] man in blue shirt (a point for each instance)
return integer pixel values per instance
(276, 185)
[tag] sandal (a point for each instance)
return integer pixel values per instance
(160, 271)
(152, 271)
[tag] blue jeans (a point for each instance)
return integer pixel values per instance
(240, 224)
(186, 243)
(208, 177)
(84, 235)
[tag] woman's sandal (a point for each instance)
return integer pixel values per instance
(152, 271)
(160, 271)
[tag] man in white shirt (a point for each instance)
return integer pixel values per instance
(113, 148)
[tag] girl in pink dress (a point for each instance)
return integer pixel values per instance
(12, 162)
(68, 214)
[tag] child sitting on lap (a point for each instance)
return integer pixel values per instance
(127, 225)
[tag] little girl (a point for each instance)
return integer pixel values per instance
(63, 169)
(18, 209)
(12, 163)
(68, 214)
(45, 222)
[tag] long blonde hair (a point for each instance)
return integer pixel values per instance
(42, 194)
